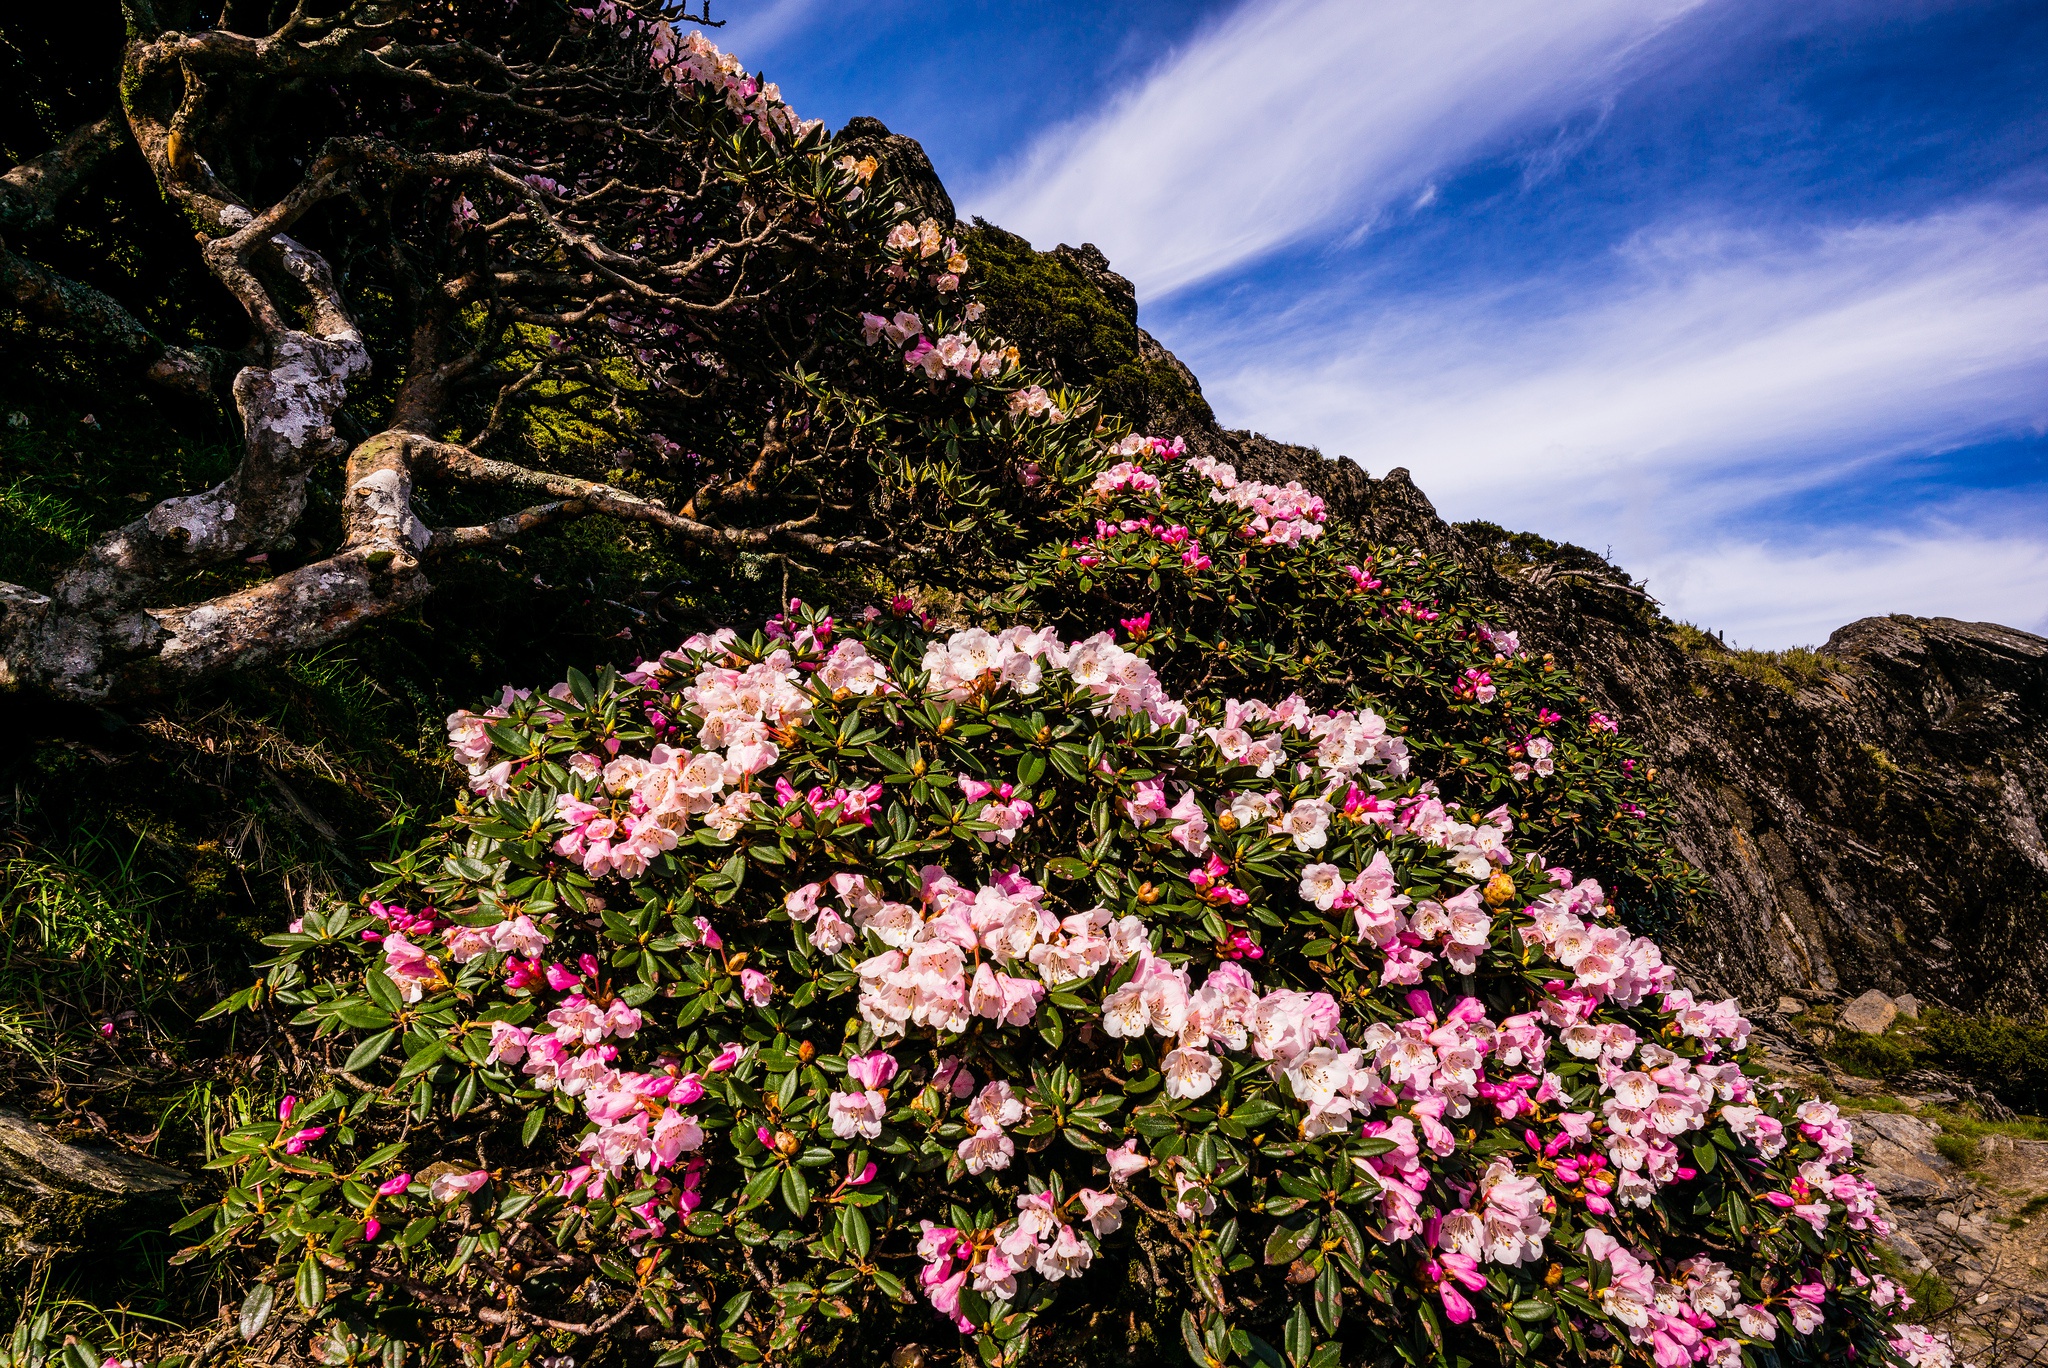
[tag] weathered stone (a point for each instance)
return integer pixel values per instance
(1790, 1006)
(1871, 1014)
(1899, 1156)
(903, 165)
(1908, 1005)
(57, 1196)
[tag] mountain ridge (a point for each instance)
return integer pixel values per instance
(1869, 815)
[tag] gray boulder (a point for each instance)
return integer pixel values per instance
(1871, 1014)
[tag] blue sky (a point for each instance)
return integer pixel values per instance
(1753, 296)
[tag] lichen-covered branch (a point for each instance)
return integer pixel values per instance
(30, 192)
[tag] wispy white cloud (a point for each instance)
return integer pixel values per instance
(1696, 379)
(1297, 117)
(1779, 597)
(756, 31)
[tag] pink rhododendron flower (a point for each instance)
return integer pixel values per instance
(447, 1187)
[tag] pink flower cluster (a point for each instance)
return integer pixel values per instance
(957, 354)
(640, 1121)
(693, 60)
(1032, 401)
(1532, 755)
(1123, 476)
(999, 806)
(1017, 658)
(1345, 744)
(1282, 515)
(1503, 643)
(1041, 1238)
(840, 807)
(860, 1113)
(1147, 804)
(949, 958)
(1474, 686)
(926, 241)
(1175, 535)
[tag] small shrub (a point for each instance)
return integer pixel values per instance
(1887, 1057)
(2006, 1055)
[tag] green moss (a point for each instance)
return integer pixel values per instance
(1062, 320)
(1788, 671)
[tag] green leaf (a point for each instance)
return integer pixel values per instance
(1255, 1112)
(369, 1051)
(256, 1310)
(416, 1230)
(1329, 1297)
(1533, 1310)
(1285, 1244)
(796, 1191)
(311, 1283)
(853, 1229)
(1052, 1027)
(383, 990)
(531, 1126)
(1299, 1339)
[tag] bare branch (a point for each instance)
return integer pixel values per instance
(99, 322)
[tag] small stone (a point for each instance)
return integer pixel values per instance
(1870, 1014)
(1790, 1006)
(1908, 1005)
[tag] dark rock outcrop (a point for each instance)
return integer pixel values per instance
(903, 166)
(1873, 820)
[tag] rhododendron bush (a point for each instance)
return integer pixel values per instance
(1239, 586)
(800, 995)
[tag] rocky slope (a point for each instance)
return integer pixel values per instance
(1870, 815)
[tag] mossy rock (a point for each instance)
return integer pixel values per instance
(58, 1198)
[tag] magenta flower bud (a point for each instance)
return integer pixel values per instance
(866, 1176)
(285, 1106)
(391, 1187)
(297, 1144)
(587, 963)
(371, 1229)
